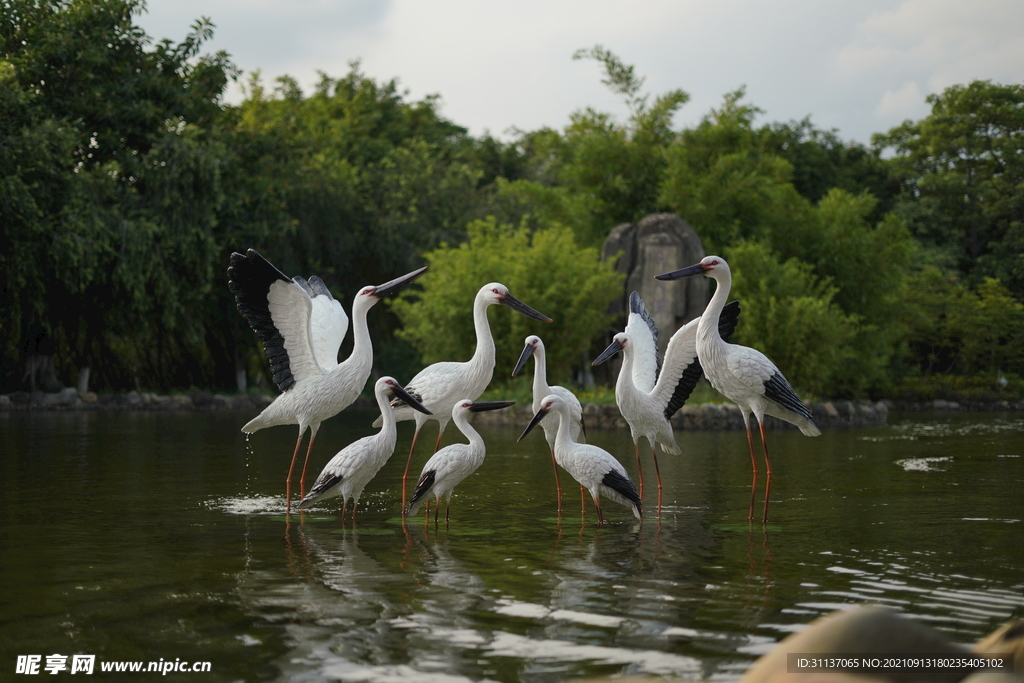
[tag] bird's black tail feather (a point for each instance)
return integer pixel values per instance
(423, 487)
(621, 484)
(322, 486)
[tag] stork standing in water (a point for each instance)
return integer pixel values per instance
(441, 385)
(649, 393)
(593, 467)
(348, 472)
(535, 347)
(302, 326)
(450, 465)
(744, 375)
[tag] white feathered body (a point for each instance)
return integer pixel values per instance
(740, 373)
(354, 466)
(313, 329)
(451, 464)
(312, 402)
(440, 386)
(588, 464)
(357, 464)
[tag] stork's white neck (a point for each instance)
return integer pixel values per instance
(624, 382)
(540, 376)
(388, 425)
(483, 357)
(563, 437)
(361, 358)
(709, 342)
(461, 419)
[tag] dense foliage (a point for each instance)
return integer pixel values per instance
(550, 273)
(126, 181)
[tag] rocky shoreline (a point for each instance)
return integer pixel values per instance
(706, 416)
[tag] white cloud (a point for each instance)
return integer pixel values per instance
(907, 102)
(936, 43)
(855, 65)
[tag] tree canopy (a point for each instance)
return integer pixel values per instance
(126, 181)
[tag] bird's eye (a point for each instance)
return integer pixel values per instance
(496, 291)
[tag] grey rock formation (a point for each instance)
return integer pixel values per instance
(657, 244)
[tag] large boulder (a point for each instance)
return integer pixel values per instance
(657, 244)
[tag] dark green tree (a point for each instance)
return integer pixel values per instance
(962, 169)
(822, 161)
(122, 235)
(350, 182)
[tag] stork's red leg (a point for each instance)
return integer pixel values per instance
(288, 481)
(600, 517)
(639, 467)
(302, 480)
(657, 471)
(768, 478)
(408, 463)
(753, 462)
(558, 484)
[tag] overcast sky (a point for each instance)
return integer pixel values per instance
(860, 66)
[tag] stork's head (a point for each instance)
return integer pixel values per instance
(389, 385)
(497, 293)
(532, 343)
(619, 344)
(712, 266)
(366, 296)
(550, 402)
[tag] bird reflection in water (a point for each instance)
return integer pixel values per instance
(759, 575)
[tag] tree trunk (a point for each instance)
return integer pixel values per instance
(83, 380)
(240, 376)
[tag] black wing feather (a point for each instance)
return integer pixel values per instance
(728, 319)
(622, 485)
(323, 485)
(422, 486)
(687, 382)
(249, 279)
(780, 391)
(691, 375)
(636, 305)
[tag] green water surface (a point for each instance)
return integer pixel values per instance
(148, 536)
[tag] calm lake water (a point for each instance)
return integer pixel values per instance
(141, 536)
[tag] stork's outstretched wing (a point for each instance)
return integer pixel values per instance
(279, 310)
(644, 336)
(327, 322)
